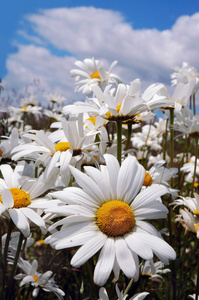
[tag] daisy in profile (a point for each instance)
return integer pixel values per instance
(159, 174)
(92, 72)
(125, 103)
(38, 280)
(108, 214)
(20, 196)
(185, 74)
(62, 144)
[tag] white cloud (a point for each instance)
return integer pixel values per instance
(90, 32)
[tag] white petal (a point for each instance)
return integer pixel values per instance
(113, 168)
(20, 221)
(89, 249)
(125, 258)
(7, 173)
(151, 193)
(105, 262)
(100, 179)
(74, 195)
(127, 178)
(33, 216)
(88, 185)
(7, 198)
(138, 245)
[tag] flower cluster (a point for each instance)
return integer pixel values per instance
(91, 189)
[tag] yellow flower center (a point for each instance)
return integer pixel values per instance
(196, 227)
(95, 75)
(62, 146)
(24, 107)
(92, 119)
(115, 218)
(118, 107)
(35, 277)
(147, 180)
(20, 197)
(196, 212)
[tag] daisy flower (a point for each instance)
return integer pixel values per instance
(181, 95)
(108, 213)
(104, 296)
(61, 145)
(54, 98)
(124, 103)
(92, 72)
(153, 270)
(189, 221)
(38, 280)
(159, 174)
(187, 123)
(20, 196)
(185, 74)
(29, 101)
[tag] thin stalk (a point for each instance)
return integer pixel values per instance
(195, 166)
(128, 141)
(128, 287)
(119, 141)
(5, 254)
(9, 290)
(165, 140)
(197, 282)
(171, 137)
(194, 103)
(170, 225)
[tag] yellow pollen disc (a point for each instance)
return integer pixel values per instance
(1, 152)
(35, 277)
(21, 198)
(196, 212)
(118, 107)
(92, 119)
(196, 184)
(95, 75)
(115, 218)
(196, 227)
(108, 114)
(62, 146)
(24, 108)
(147, 179)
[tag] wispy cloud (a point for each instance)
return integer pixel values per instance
(83, 32)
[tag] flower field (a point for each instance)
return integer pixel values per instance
(99, 199)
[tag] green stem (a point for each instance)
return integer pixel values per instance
(9, 290)
(119, 141)
(128, 287)
(170, 225)
(165, 141)
(195, 166)
(5, 254)
(194, 104)
(171, 137)
(128, 141)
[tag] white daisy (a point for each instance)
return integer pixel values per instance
(185, 74)
(108, 212)
(38, 280)
(92, 72)
(21, 196)
(125, 103)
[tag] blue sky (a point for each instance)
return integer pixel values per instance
(148, 24)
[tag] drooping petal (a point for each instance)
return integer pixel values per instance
(105, 262)
(125, 258)
(20, 220)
